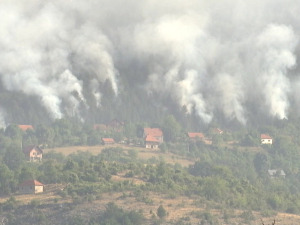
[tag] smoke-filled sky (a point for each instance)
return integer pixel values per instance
(230, 56)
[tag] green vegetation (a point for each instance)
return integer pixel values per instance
(226, 175)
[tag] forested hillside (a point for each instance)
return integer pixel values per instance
(231, 173)
(218, 80)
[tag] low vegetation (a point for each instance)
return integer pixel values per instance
(226, 182)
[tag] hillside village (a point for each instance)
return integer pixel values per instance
(151, 138)
(153, 159)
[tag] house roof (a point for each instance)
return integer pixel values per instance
(108, 140)
(194, 135)
(29, 148)
(31, 183)
(25, 127)
(150, 138)
(155, 132)
(265, 136)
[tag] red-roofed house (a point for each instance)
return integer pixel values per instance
(154, 132)
(25, 127)
(194, 136)
(108, 141)
(33, 153)
(31, 187)
(266, 139)
(151, 142)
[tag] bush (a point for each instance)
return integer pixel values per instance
(10, 204)
(116, 215)
(161, 212)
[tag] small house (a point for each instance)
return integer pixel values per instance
(151, 142)
(154, 132)
(31, 187)
(108, 141)
(266, 139)
(33, 153)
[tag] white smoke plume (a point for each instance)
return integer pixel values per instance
(277, 43)
(228, 56)
(41, 44)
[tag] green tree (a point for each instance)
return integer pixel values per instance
(45, 135)
(28, 172)
(201, 168)
(171, 128)
(261, 163)
(14, 156)
(114, 215)
(130, 130)
(6, 177)
(161, 212)
(14, 132)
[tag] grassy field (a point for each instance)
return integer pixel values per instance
(143, 153)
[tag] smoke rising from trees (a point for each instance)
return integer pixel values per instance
(234, 57)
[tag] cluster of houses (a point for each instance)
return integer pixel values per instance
(152, 137)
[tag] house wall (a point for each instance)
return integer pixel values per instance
(151, 145)
(39, 189)
(266, 141)
(155, 146)
(26, 190)
(107, 142)
(31, 189)
(35, 155)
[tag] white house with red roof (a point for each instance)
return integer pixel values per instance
(151, 142)
(153, 137)
(33, 153)
(31, 187)
(266, 139)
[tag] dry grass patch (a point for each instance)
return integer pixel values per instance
(143, 153)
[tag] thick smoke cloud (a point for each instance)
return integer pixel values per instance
(43, 48)
(230, 56)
